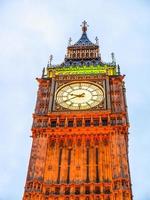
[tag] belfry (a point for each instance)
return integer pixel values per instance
(80, 129)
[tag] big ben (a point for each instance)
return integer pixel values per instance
(80, 129)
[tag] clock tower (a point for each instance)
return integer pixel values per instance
(80, 129)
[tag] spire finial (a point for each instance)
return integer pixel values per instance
(97, 41)
(69, 42)
(43, 72)
(50, 60)
(118, 70)
(84, 26)
(113, 58)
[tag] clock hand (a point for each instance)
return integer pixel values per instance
(82, 95)
(78, 95)
(70, 98)
(75, 95)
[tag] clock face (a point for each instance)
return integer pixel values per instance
(79, 95)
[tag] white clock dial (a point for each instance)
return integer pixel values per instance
(80, 95)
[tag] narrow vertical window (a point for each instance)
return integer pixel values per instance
(59, 165)
(69, 160)
(87, 165)
(97, 172)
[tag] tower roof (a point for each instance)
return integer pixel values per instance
(84, 40)
(83, 51)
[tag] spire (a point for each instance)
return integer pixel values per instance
(83, 50)
(84, 40)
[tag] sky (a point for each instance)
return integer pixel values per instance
(31, 30)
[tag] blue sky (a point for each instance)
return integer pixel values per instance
(31, 30)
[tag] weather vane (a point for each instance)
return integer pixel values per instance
(84, 26)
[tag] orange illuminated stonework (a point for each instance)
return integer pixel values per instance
(80, 154)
